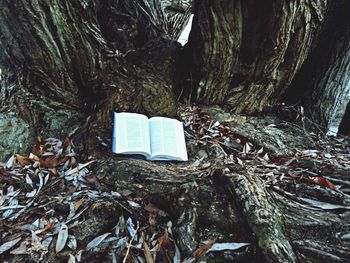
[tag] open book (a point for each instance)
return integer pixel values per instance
(157, 138)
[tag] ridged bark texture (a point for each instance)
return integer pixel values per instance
(331, 87)
(323, 82)
(215, 41)
(42, 41)
(174, 14)
(246, 52)
(89, 56)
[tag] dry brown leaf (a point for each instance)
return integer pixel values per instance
(165, 248)
(22, 160)
(4, 172)
(322, 181)
(147, 252)
(49, 162)
(203, 249)
(77, 169)
(66, 143)
(78, 203)
(33, 157)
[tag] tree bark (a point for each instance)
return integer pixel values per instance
(245, 53)
(344, 127)
(325, 75)
(175, 13)
(74, 63)
(72, 60)
(235, 203)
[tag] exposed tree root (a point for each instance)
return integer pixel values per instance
(263, 218)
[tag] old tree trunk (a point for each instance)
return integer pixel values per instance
(327, 96)
(67, 65)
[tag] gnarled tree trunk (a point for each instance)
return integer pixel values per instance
(246, 53)
(73, 62)
(70, 60)
(323, 83)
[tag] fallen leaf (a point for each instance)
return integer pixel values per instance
(240, 162)
(246, 148)
(177, 256)
(96, 241)
(10, 162)
(322, 181)
(261, 150)
(227, 246)
(133, 204)
(72, 242)
(79, 167)
(29, 180)
(266, 157)
(78, 203)
(323, 205)
(62, 237)
(203, 249)
(66, 143)
(165, 249)
(328, 155)
(71, 259)
(147, 252)
(49, 162)
(4, 172)
(21, 250)
(8, 245)
(310, 153)
(131, 228)
(33, 157)
(22, 160)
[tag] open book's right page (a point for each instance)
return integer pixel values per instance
(167, 139)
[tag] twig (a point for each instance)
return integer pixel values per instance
(129, 246)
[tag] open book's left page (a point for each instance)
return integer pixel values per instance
(131, 134)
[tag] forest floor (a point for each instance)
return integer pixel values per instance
(56, 207)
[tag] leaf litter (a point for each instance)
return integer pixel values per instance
(327, 165)
(52, 174)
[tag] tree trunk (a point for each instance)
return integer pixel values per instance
(72, 60)
(344, 127)
(325, 75)
(246, 53)
(176, 14)
(70, 64)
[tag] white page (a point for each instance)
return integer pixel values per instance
(167, 139)
(131, 134)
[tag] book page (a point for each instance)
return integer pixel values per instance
(167, 139)
(131, 134)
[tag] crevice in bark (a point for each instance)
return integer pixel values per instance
(142, 80)
(69, 64)
(322, 85)
(344, 127)
(258, 61)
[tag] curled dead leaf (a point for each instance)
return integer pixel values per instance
(322, 181)
(203, 249)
